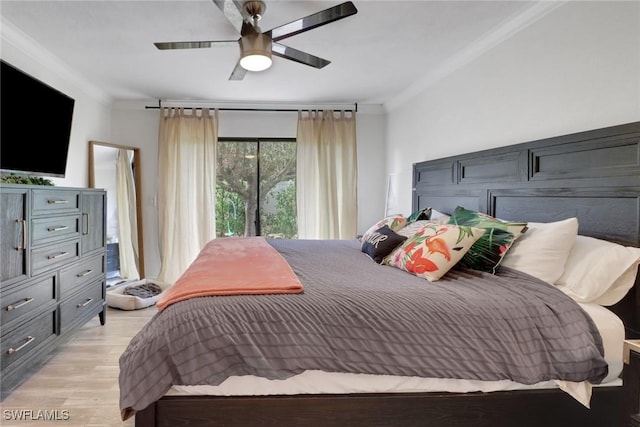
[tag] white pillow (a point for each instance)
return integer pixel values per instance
(439, 217)
(542, 251)
(598, 271)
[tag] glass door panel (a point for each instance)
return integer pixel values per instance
(236, 188)
(244, 208)
(277, 199)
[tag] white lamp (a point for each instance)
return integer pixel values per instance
(255, 52)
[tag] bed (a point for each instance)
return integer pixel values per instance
(592, 176)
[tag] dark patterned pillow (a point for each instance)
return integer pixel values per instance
(488, 251)
(381, 243)
(419, 215)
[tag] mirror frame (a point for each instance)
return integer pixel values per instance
(138, 186)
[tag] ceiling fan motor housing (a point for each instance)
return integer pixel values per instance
(255, 52)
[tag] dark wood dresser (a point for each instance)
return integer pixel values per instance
(52, 272)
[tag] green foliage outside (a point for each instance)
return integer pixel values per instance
(30, 180)
(230, 217)
(282, 222)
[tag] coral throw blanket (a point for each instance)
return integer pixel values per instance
(234, 266)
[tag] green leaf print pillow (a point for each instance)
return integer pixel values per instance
(488, 251)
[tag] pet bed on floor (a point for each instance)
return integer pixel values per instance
(136, 294)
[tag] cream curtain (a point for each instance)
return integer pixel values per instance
(186, 186)
(326, 175)
(127, 222)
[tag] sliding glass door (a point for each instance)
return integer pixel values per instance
(256, 189)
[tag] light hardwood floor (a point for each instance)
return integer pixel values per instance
(80, 379)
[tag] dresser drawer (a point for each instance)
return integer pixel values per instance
(47, 257)
(85, 303)
(47, 201)
(28, 338)
(79, 273)
(27, 300)
(54, 229)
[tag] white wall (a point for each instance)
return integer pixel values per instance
(576, 69)
(371, 130)
(133, 125)
(92, 109)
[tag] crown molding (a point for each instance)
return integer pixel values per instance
(476, 49)
(10, 35)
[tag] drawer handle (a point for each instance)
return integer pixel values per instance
(84, 304)
(61, 254)
(84, 273)
(15, 350)
(16, 306)
(58, 228)
(85, 224)
(57, 202)
(24, 235)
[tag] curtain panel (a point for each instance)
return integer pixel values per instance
(186, 186)
(326, 175)
(127, 216)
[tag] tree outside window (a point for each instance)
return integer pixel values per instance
(256, 175)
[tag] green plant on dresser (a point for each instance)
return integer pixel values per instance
(52, 274)
(28, 180)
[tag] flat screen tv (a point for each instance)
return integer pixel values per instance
(35, 125)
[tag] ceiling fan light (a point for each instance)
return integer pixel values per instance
(255, 52)
(256, 62)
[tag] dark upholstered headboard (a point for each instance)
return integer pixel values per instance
(592, 175)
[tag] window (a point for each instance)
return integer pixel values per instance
(256, 187)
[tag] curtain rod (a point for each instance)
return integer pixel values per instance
(159, 106)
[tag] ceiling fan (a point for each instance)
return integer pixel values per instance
(257, 47)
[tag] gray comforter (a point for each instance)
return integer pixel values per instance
(358, 316)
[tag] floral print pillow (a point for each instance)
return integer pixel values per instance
(413, 227)
(434, 250)
(487, 253)
(394, 222)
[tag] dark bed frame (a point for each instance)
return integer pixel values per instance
(594, 176)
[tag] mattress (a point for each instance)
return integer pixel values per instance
(609, 325)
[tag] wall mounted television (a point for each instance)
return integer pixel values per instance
(35, 125)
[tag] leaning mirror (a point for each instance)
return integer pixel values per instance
(116, 169)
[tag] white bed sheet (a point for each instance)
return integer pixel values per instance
(318, 382)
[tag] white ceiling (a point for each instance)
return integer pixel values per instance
(377, 54)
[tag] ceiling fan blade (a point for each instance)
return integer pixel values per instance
(195, 44)
(315, 20)
(234, 11)
(238, 72)
(299, 56)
